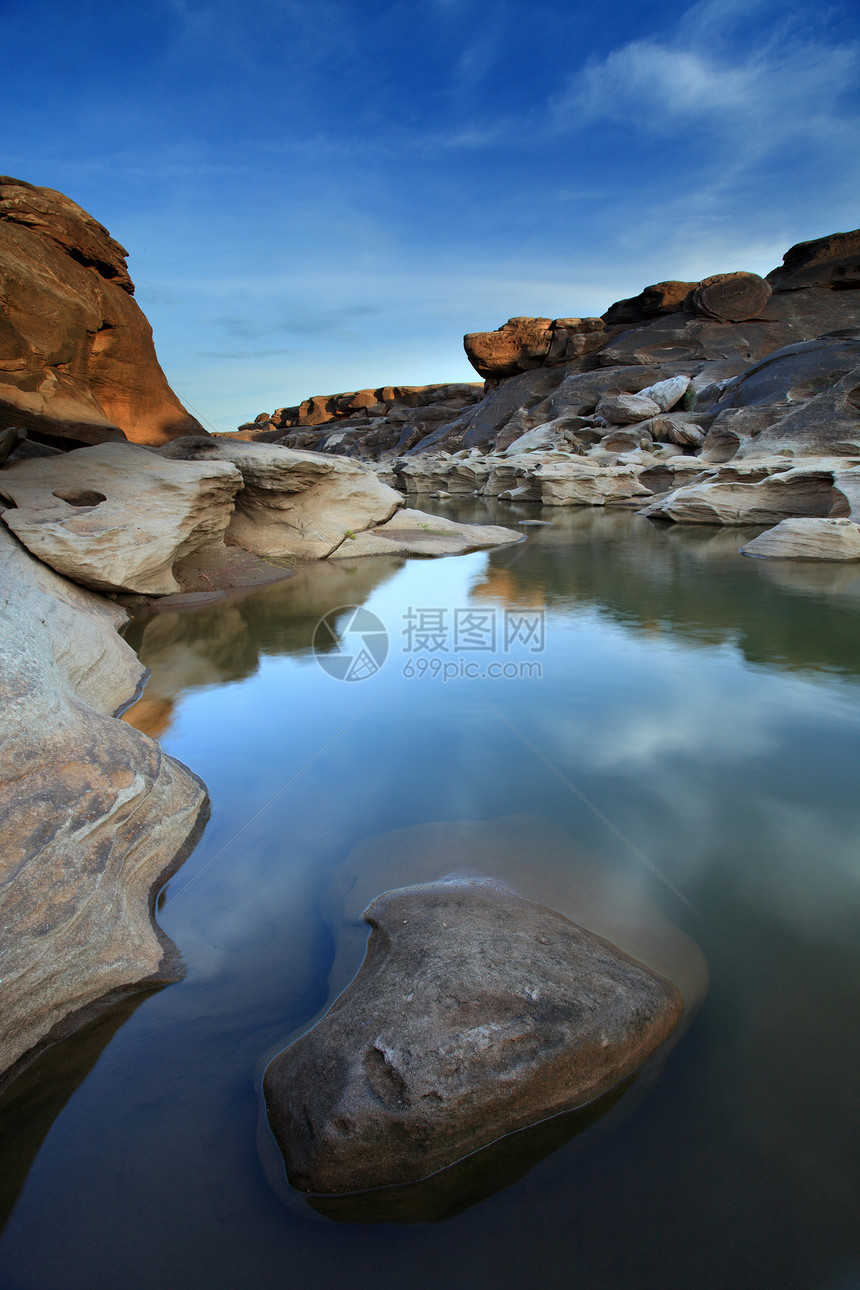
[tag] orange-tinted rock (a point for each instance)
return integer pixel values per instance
(521, 344)
(77, 359)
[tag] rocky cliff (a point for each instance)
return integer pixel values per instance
(731, 400)
(77, 361)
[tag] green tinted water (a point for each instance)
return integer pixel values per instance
(677, 762)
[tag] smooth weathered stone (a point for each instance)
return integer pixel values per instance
(667, 394)
(807, 539)
(731, 297)
(76, 352)
(846, 494)
(624, 409)
(416, 533)
(677, 430)
(763, 493)
(93, 816)
(580, 481)
(116, 517)
(294, 503)
(475, 1013)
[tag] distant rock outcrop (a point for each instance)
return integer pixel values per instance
(77, 361)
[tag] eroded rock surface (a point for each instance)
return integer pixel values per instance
(295, 503)
(475, 1013)
(807, 539)
(93, 816)
(77, 359)
(115, 517)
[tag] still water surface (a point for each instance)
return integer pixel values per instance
(683, 759)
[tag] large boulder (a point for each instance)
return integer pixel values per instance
(476, 1013)
(77, 360)
(521, 344)
(731, 297)
(93, 816)
(832, 261)
(301, 504)
(116, 517)
(660, 298)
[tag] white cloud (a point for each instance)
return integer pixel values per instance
(755, 97)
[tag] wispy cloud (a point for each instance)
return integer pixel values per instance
(756, 97)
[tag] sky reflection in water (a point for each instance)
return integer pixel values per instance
(707, 706)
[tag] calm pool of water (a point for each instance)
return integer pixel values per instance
(676, 756)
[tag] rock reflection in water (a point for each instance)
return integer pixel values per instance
(687, 581)
(187, 648)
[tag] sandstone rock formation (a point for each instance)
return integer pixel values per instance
(685, 378)
(476, 1013)
(116, 517)
(93, 816)
(660, 298)
(295, 503)
(416, 533)
(832, 261)
(77, 360)
(523, 343)
(731, 297)
(807, 539)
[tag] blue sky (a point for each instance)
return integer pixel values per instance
(321, 195)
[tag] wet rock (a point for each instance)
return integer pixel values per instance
(731, 297)
(417, 533)
(116, 517)
(93, 816)
(77, 353)
(807, 539)
(475, 1014)
(832, 261)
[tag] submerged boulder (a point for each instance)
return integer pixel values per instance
(417, 533)
(476, 1013)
